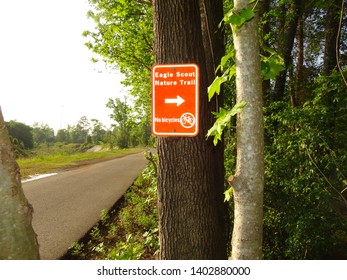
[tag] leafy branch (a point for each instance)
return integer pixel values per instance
(223, 118)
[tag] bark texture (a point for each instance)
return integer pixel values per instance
(190, 169)
(331, 31)
(264, 7)
(18, 240)
(248, 182)
(297, 97)
(287, 34)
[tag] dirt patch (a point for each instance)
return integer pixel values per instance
(98, 148)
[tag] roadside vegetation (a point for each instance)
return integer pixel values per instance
(55, 159)
(130, 129)
(40, 150)
(129, 231)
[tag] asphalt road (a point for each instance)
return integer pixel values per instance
(68, 204)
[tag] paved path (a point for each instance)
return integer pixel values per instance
(68, 204)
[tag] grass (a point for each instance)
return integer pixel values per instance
(129, 231)
(44, 162)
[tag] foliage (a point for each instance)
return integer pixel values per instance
(63, 136)
(131, 128)
(98, 131)
(223, 118)
(80, 132)
(305, 207)
(238, 18)
(123, 37)
(42, 134)
(27, 140)
(129, 231)
(22, 133)
(121, 115)
(271, 65)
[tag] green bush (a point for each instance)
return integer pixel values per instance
(306, 164)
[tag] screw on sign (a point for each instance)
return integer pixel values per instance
(175, 100)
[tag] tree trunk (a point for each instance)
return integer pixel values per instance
(18, 240)
(286, 43)
(190, 169)
(264, 7)
(331, 31)
(297, 98)
(248, 182)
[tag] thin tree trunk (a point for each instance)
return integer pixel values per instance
(18, 240)
(190, 188)
(264, 7)
(331, 31)
(330, 62)
(248, 182)
(297, 97)
(286, 43)
(213, 39)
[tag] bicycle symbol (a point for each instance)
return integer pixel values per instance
(187, 120)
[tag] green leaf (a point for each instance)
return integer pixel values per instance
(228, 194)
(223, 118)
(239, 18)
(225, 58)
(271, 66)
(232, 71)
(215, 86)
(226, 17)
(270, 50)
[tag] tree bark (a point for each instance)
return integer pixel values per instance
(286, 43)
(190, 169)
(297, 98)
(248, 182)
(18, 240)
(331, 31)
(264, 7)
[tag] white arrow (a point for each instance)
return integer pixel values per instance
(179, 100)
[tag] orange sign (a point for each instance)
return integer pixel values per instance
(175, 100)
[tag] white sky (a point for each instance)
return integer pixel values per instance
(46, 75)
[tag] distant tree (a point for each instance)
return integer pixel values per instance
(42, 134)
(22, 132)
(79, 133)
(120, 114)
(63, 136)
(288, 18)
(332, 41)
(98, 131)
(18, 240)
(140, 133)
(123, 37)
